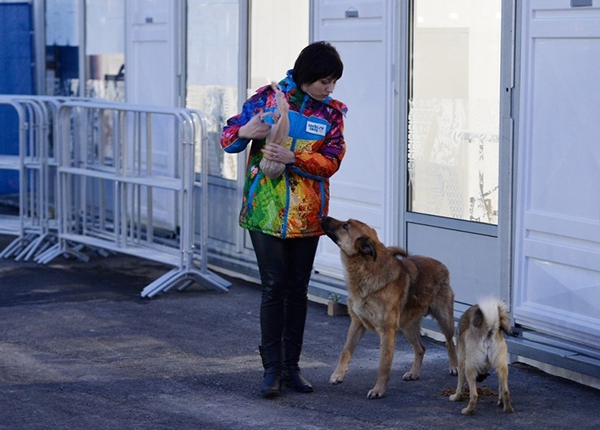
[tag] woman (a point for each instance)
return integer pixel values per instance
(283, 214)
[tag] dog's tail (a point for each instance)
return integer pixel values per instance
(397, 251)
(495, 315)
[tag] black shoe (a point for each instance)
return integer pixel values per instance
(293, 378)
(271, 384)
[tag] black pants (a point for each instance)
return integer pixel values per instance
(285, 267)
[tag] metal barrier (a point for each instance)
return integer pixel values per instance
(33, 228)
(10, 224)
(110, 190)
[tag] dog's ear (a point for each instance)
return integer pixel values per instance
(366, 247)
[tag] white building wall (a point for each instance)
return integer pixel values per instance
(557, 247)
(361, 33)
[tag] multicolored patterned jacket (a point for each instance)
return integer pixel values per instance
(293, 204)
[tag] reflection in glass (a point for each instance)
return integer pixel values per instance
(453, 125)
(106, 79)
(275, 43)
(62, 47)
(212, 74)
(105, 49)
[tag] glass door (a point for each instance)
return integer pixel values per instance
(214, 59)
(234, 47)
(274, 44)
(453, 139)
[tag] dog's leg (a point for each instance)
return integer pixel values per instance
(460, 385)
(443, 313)
(503, 393)
(387, 344)
(446, 323)
(470, 375)
(413, 335)
(355, 334)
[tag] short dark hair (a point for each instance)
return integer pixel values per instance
(319, 60)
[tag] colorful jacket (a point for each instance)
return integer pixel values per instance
(293, 204)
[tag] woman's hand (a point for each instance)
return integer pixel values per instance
(281, 154)
(256, 128)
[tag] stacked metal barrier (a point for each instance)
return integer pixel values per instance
(34, 226)
(10, 224)
(102, 180)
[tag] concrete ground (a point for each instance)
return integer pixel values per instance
(80, 349)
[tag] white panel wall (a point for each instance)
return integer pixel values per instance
(152, 52)
(357, 190)
(557, 256)
(471, 258)
(152, 77)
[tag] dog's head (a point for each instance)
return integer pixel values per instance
(352, 236)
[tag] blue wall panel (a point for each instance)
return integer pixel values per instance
(16, 77)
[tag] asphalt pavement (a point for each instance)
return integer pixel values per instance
(80, 349)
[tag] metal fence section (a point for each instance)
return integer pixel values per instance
(117, 178)
(13, 162)
(35, 225)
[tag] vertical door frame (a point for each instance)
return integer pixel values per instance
(82, 47)
(394, 200)
(242, 239)
(402, 38)
(39, 50)
(509, 112)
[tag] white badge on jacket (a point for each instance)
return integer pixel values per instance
(316, 128)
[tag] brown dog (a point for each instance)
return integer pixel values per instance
(388, 294)
(481, 346)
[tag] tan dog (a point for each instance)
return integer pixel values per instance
(481, 346)
(388, 295)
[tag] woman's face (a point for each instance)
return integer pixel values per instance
(321, 89)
